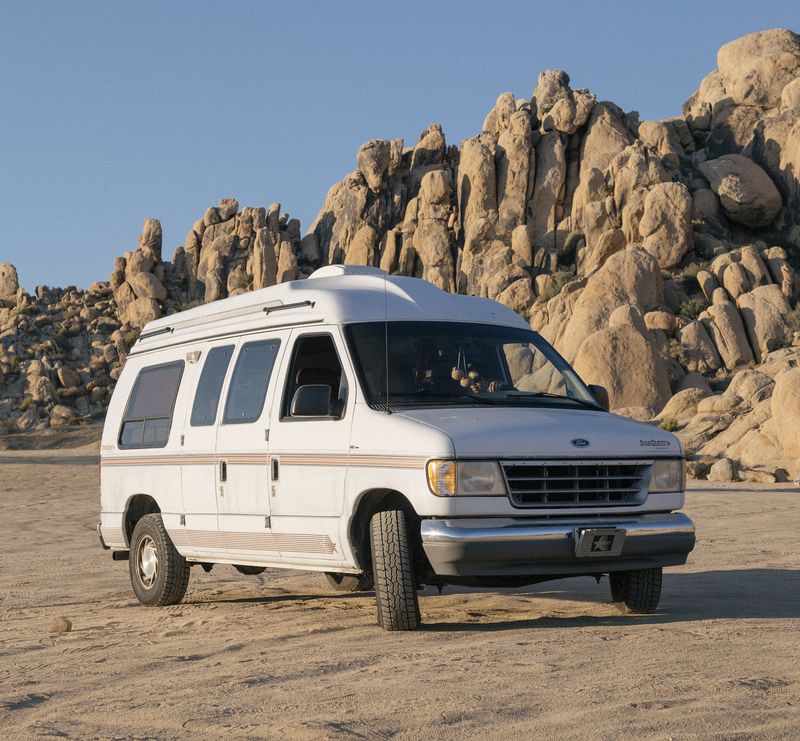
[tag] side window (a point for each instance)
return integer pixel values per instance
(148, 415)
(315, 362)
(209, 388)
(249, 383)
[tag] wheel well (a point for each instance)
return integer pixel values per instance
(138, 506)
(378, 500)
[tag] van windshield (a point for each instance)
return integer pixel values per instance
(461, 364)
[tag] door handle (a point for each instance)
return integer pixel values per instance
(223, 470)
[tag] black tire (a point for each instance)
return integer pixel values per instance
(162, 581)
(250, 570)
(350, 582)
(636, 591)
(393, 572)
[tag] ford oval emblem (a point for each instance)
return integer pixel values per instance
(579, 442)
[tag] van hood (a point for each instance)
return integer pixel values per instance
(546, 432)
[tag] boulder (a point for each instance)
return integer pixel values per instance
(720, 404)
(723, 470)
(497, 120)
(628, 278)
(287, 263)
(518, 296)
(747, 194)
(557, 106)
(707, 211)
(695, 380)
(790, 96)
(227, 208)
(68, 377)
(61, 415)
(755, 68)
(699, 352)
(662, 137)
(362, 249)
(765, 311)
(514, 161)
(150, 240)
(662, 320)
(141, 311)
(683, 405)
(146, 285)
(666, 223)
(750, 385)
(786, 415)
(373, 160)
(624, 359)
(727, 331)
(9, 283)
(545, 207)
(432, 236)
(607, 134)
(264, 264)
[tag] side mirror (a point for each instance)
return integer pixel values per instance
(601, 395)
(313, 400)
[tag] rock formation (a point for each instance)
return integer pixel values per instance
(660, 257)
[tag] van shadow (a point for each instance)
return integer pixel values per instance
(743, 594)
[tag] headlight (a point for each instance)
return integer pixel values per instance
(466, 478)
(669, 474)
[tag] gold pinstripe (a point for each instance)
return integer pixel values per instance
(290, 459)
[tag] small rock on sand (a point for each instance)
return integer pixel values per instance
(61, 625)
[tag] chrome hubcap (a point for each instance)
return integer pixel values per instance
(147, 561)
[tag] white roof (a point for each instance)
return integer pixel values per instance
(336, 294)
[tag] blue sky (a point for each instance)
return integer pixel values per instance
(115, 111)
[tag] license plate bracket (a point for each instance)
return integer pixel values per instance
(599, 542)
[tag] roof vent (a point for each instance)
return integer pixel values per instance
(330, 271)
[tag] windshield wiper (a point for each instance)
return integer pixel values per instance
(425, 397)
(548, 395)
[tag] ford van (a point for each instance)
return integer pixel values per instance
(387, 434)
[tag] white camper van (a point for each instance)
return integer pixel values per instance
(386, 433)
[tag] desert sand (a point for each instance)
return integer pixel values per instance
(280, 656)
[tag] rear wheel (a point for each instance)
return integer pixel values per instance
(159, 574)
(349, 582)
(638, 591)
(393, 572)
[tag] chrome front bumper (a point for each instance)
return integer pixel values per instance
(579, 545)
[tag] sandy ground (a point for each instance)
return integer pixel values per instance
(280, 656)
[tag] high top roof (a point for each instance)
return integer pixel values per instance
(336, 294)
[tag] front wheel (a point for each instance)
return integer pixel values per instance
(638, 591)
(393, 572)
(159, 574)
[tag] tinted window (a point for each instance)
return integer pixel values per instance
(209, 389)
(315, 362)
(148, 414)
(250, 380)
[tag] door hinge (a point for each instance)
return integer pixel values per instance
(266, 521)
(266, 435)
(183, 519)
(182, 439)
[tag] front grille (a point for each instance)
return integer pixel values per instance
(576, 483)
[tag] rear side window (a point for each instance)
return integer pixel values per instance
(249, 383)
(209, 389)
(148, 415)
